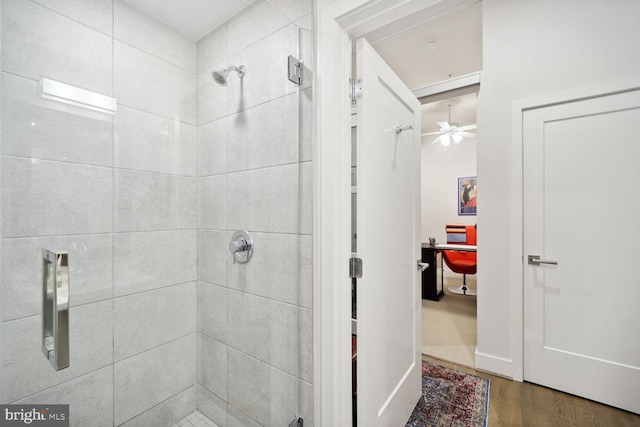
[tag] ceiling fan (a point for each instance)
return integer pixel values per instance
(449, 131)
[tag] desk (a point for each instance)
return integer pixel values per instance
(454, 247)
(430, 275)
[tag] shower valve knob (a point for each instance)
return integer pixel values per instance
(241, 246)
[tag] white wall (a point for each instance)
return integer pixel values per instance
(441, 169)
(532, 49)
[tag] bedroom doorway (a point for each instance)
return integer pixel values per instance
(441, 60)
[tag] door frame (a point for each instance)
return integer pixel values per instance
(516, 260)
(333, 20)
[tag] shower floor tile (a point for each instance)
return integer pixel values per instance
(195, 419)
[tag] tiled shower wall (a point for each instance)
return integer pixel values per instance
(254, 163)
(146, 201)
(119, 193)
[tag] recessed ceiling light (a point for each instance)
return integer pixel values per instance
(430, 44)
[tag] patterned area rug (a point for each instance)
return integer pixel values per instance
(451, 398)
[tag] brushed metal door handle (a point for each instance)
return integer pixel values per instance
(535, 260)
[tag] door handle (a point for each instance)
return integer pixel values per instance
(535, 260)
(55, 308)
(422, 266)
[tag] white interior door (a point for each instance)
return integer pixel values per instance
(388, 215)
(581, 209)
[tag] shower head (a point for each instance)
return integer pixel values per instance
(220, 76)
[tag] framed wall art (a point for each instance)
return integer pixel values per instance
(467, 195)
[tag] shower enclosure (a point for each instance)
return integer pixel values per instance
(122, 156)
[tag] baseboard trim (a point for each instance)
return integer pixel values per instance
(494, 365)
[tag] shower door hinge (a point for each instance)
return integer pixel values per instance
(295, 69)
(298, 422)
(355, 89)
(355, 268)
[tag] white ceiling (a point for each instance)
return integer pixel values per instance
(195, 18)
(458, 52)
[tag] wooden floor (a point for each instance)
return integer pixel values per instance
(513, 403)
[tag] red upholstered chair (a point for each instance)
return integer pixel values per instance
(461, 262)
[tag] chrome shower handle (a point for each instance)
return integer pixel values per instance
(241, 246)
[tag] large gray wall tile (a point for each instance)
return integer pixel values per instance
(25, 370)
(212, 365)
(305, 332)
(305, 49)
(97, 14)
(265, 199)
(151, 201)
(147, 142)
(212, 147)
(150, 260)
(214, 256)
(90, 398)
(212, 48)
(306, 403)
(238, 419)
(168, 412)
(90, 271)
(265, 135)
(305, 262)
(140, 30)
(51, 198)
(266, 394)
(38, 42)
(147, 83)
(306, 124)
(212, 98)
(264, 80)
(274, 270)
(261, 17)
(306, 198)
(212, 311)
(293, 9)
(149, 378)
(213, 202)
(38, 128)
(265, 329)
(145, 320)
(212, 406)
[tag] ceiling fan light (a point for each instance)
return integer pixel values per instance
(457, 137)
(445, 140)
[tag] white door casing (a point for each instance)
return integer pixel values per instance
(388, 215)
(580, 316)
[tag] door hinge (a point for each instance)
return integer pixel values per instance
(295, 70)
(355, 89)
(355, 268)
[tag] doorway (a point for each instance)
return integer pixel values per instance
(434, 59)
(339, 23)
